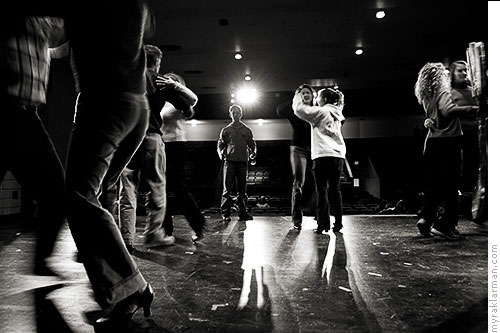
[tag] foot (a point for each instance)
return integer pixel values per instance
(446, 234)
(226, 218)
(123, 311)
(297, 227)
(159, 240)
(319, 231)
(337, 227)
(246, 217)
(424, 228)
(455, 231)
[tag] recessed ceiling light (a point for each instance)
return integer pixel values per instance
(359, 52)
(380, 14)
(248, 77)
(238, 56)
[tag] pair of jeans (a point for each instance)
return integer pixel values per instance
(147, 166)
(234, 171)
(106, 133)
(442, 162)
(327, 172)
(300, 160)
(176, 163)
(27, 151)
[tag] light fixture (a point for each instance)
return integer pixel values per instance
(248, 77)
(380, 14)
(260, 122)
(232, 100)
(194, 122)
(238, 56)
(247, 95)
(359, 52)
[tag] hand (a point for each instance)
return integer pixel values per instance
(428, 123)
(164, 82)
(252, 156)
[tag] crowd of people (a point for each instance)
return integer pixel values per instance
(128, 136)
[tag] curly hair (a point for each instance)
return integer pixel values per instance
(432, 78)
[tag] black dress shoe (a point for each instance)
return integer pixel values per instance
(337, 227)
(318, 231)
(123, 311)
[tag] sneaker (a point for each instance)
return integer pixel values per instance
(226, 218)
(449, 235)
(246, 217)
(424, 228)
(297, 227)
(157, 240)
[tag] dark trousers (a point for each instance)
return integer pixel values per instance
(186, 203)
(27, 151)
(300, 160)
(327, 172)
(442, 161)
(106, 133)
(234, 171)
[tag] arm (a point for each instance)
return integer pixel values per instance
(448, 108)
(251, 144)
(308, 113)
(221, 145)
(179, 89)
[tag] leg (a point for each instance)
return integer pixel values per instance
(241, 179)
(128, 200)
(29, 153)
(335, 173)
(321, 173)
(298, 160)
(100, 128)
(228, 175)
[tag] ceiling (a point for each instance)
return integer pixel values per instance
(286, 43)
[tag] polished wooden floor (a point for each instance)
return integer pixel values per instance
(378, 275)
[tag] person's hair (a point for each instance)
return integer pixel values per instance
(453, 66)
(176, 77)
(332, 96)
(153, 53)
(310, 88)
(235, 106)
(432, 78)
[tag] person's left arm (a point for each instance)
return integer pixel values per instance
(251, 144)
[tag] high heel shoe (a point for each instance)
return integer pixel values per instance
(123, 311)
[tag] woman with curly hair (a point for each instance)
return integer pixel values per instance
(442, 157)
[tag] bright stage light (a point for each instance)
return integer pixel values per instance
(247, 95)
(260, 122)
(380, 14)
(194, 123)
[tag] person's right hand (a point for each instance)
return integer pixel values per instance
(428, 123)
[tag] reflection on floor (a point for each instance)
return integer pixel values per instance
(378, 275)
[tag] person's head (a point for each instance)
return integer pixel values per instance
(307, 93)
(330, 96)
(235, 111)
(432, 78)
(153, 57)
(459, 75)
(176, 77)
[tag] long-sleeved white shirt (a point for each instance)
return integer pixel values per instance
(326, 123)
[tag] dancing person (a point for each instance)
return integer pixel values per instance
(148, 164)
(26, 148)
(327, 151)
(111, 119)
(300, 152)
(461, 94)
(235, 146)
(442, 157)
(175, 138)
